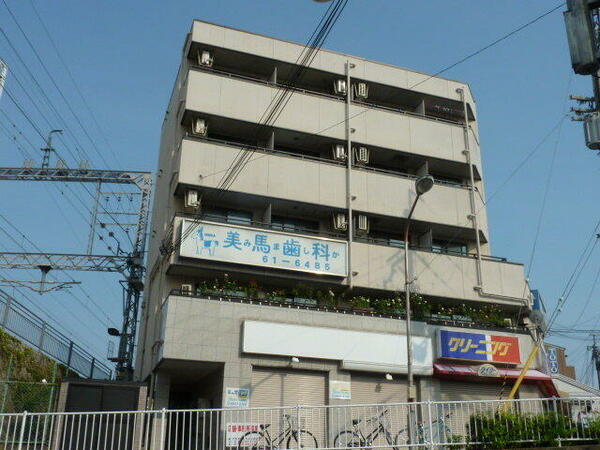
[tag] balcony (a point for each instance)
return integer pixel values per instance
(246, 100)
(376, 267)
(317, 181)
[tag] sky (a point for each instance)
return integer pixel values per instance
(124, 57)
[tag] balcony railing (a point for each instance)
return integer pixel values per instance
(303, 304)
(306, 157)
(333, 235)
(321, 94)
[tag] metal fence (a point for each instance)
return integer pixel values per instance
(18, 396)
(435, 425)
(27, 326)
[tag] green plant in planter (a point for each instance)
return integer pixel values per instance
(360, 302)
(385, 305)
(327, 297)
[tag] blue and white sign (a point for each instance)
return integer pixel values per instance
(257, 247)
(552, 360)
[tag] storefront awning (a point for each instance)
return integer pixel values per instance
(459, 371)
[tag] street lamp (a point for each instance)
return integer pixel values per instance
(422, 186)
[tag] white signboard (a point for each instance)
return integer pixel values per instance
(340, 390)
(264, 248)
(236, 434)
(552, 360)
(237, 398)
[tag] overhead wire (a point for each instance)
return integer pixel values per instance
(75, 84)
(280, 101)
(55, 84)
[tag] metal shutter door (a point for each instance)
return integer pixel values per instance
(274, 387)
(289, 388)
(527, 390)
(368, 389)
(459, 414)
(373, 390)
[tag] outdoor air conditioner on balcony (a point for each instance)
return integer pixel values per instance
(338, 152)
(339, 87)
(186, 289)
(192, 199)
(361, 90)
(199, 127)
(205, 58)
(361, 155)
(340, 223)
(362, 224)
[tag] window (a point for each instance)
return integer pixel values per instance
(456, 248)
(291, 224)
(228, 215)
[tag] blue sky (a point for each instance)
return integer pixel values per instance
(124, 56)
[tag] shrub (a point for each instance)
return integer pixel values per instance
(502, 430)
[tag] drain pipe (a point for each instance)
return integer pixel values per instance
(349, 172)
(473, 215)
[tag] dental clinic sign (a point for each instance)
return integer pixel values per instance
(257, 247)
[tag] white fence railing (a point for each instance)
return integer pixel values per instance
(456, 424)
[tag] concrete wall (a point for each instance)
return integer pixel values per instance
(327, 60)
(210, 331)
(204, 163)
(247, 101)
(439, 274)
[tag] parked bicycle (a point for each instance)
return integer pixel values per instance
(357, 438)
(291, 436)
(437, 433)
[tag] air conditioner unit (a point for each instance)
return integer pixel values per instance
(338, 152)
(362, 224)
(205, 58)
(186, 289)
(199, 127)
(361, 155)
(192, 199)
(339, 87)
(361, 90)
(340, 223)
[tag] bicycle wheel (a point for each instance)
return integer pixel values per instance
(254, 440)
(348, 439)
(401, 438)
(307, 440)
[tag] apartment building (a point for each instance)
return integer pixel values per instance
(282, 283)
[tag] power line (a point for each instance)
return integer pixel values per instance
(280, 101)
(77, 88)
(41, 62)
(492, 44)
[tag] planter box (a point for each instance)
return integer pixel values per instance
(440, 317)
(304, 301)
(238, 294)
(466, 319)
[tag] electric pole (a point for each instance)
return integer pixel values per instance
(596, 356)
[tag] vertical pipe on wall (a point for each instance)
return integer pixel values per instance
(473, 215)
(349, 171)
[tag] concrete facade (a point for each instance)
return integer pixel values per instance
(190, 342)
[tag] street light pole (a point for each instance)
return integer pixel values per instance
(422, 185)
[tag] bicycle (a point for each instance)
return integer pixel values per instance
(439, 432)
(356, 437)
(262, 439)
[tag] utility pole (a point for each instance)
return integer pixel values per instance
(48, 149)
(596, 356)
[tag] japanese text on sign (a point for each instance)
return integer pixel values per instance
(245, 245)
(479, 347)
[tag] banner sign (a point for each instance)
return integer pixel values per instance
(237, 398)
(479, 347)
(264, 248)
(552, 360)
(236, 431)
(340, 390)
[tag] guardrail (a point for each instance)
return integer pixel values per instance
(39, 334)
(452, 424)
